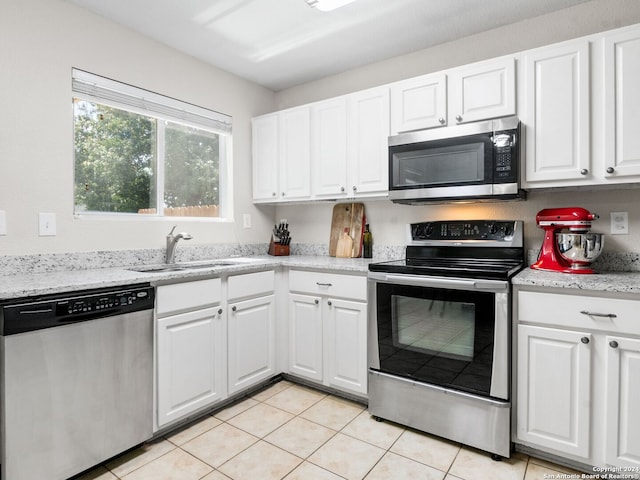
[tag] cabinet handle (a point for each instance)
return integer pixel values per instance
(584, 171)
(316, 301)
(610, 170)
(234, 308)
(584, 340)
(273, 194)
(329, 303)
(596, 314)
(219, 311)
(459, 118)
(613, 344)
(355, 188)
(441, 120)
(324, 284)
(342, 189)
(283, 194)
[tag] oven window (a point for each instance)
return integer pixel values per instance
(438, 336)
(435, 327)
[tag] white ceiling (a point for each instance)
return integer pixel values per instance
(282, 43)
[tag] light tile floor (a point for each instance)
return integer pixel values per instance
(296, 433)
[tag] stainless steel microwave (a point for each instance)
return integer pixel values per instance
(473, 162)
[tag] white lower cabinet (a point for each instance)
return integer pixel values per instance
(251, 329)
(327, 329)
(623, 393)
(554, 385)
(190, 349)
(577, 371)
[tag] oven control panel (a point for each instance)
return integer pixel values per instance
(465, 230)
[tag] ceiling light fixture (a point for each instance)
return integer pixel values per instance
(328, 5)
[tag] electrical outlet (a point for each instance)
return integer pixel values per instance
(246, 220)
(3, 222)
(47, 224)
(619, 223)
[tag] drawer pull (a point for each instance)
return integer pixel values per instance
(219, 311)
(329, 303)
(316, 301)
(613, 344)
(320, 284)
(234, 308)
(584, 340)
(595, 314)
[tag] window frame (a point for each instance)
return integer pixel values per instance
(111, 93)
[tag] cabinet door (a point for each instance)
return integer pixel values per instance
(556, 114)
(329, 148)
(265, 157)
(295, 153)
(190, 363)
(305, 336)
(368, 134)
(486, 90)
(419, 103)
(251, 342)
(554, 391)
(346, 345)
(623, 391)
(622, 104)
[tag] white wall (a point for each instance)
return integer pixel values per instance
(40, 42)
(311, 224)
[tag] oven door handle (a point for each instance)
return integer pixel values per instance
(440, 282)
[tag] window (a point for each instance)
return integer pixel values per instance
(140, 153)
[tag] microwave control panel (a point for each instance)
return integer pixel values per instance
(505, 169)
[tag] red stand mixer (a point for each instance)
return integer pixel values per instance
(571, 252)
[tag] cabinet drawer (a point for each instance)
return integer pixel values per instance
(328, 284)
(592, 313)
(188, 295)
(251, 285)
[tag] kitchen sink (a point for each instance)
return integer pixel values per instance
(182, 266)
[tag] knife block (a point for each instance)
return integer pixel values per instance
(278, 250)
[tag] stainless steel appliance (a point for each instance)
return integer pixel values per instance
(474, 161)
(439, 331)
(76, 380)
(567, 246)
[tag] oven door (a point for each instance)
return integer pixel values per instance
(448, 332)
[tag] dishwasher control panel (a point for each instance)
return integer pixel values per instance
(29, 314)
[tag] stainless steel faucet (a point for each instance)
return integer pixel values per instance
(172, 241)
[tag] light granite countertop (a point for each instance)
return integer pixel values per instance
(35, 284)
(613, 282)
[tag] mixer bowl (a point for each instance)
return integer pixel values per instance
(580, 249)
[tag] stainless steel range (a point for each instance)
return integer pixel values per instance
(439, 331)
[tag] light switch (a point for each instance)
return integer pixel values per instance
(3, 222)
(619, 223)
(47, 224)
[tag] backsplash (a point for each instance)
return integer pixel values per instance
(606, 262)
(42, 263)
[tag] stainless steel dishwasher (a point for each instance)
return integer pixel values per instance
(76, 380)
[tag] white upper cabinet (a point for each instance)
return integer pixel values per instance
(419, 103)
(295, 153)
(368, 133)
(622, 105)
(329, 148)
(556, 114)
(282, 156)
(467, 94)
(482, 90)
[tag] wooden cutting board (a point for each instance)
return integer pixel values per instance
(351, 216)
